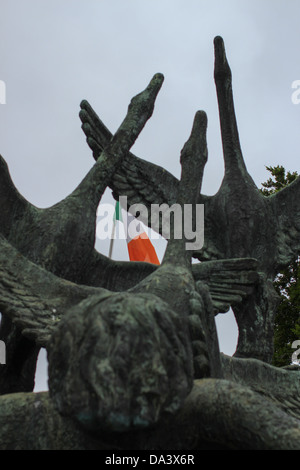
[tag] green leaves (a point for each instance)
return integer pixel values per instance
(281, 179)
(286, 283)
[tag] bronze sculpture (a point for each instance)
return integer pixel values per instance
(92, 313)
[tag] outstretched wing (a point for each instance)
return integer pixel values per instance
(34, 298)
(286, 214)
(229, 281)
(140, 181)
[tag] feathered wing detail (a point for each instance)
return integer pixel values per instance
(34, 298)
(229, 281)
(139, 180)
(97, 134)
(144, 182)
(286, 215)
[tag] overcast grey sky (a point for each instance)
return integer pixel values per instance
(54, 53)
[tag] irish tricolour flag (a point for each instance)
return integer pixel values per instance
(139, 245)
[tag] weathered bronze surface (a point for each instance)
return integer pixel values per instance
(134, 360)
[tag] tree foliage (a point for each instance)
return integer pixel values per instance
(286, 283)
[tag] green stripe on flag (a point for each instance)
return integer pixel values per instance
(118, 212)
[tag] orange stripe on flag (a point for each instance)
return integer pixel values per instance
(139, 245)
(140, 248)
